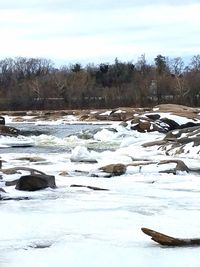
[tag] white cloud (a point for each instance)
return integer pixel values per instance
(125, 31)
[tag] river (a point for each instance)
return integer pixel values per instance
(78, 227)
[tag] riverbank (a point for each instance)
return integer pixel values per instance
(118, 114)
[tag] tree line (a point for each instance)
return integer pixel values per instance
(35, 83)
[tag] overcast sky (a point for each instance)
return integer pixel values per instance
(99, 30)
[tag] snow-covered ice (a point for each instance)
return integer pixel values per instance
(76, 227)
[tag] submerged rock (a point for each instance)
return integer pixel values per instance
(35, 182)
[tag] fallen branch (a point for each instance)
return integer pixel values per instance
(166, 240)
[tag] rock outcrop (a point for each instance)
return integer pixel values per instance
(179, 141)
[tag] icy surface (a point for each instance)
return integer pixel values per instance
(76, 227)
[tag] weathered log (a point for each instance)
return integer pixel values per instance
(166, 240)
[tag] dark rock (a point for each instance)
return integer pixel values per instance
(153, 116)
(89, 187)
(189, 124)
(35, 182)
(172, 125)
(14, 198)
(8, 131)
(2, 120)
(158, 128)
(2, 190)
(41, 246)
(123, 124)
(92, 161)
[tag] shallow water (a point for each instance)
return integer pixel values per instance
(46, 137)
(60, 130)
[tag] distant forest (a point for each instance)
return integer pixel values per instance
(34, 83)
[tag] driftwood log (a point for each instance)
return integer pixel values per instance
(166, 240)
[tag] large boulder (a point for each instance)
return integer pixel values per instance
(35, 182)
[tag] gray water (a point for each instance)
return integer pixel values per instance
(59, 131)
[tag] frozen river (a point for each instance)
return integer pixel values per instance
(78, 227)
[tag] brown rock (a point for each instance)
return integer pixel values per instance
(142, 126)
(114, 169)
